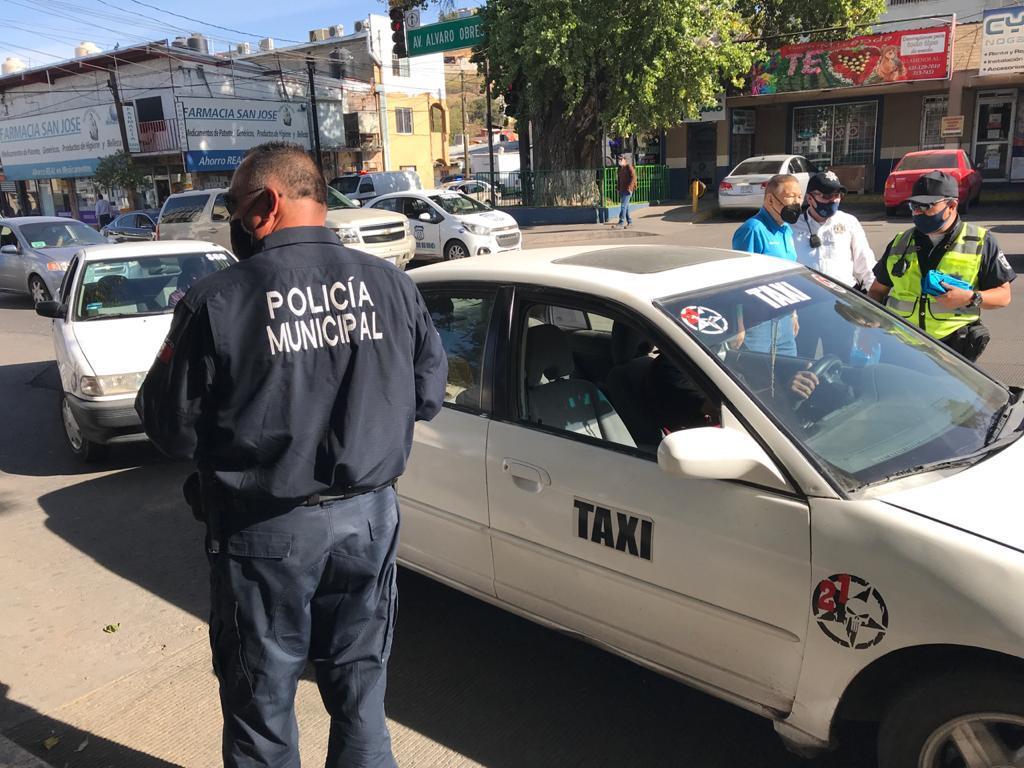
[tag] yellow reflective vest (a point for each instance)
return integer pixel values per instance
(962, 259)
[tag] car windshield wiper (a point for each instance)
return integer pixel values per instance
(1002, 417)
(957, 461)
(125, 314)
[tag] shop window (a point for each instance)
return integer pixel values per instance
(933, 109)
(403, 120)
(836, 134)
(436, 119)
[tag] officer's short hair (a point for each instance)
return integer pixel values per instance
(774, 184)
(289, 164)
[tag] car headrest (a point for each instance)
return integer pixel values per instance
(548, 356)
(628, 343)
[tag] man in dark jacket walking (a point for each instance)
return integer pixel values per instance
(626, 187)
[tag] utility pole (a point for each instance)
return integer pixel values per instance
(115, 91)
(490, 131)
(316, 117)
(465, 138)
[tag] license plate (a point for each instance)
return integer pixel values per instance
(743, 189)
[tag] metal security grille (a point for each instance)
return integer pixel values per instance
(836, 134)
(933, 109)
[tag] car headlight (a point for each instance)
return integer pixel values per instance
(117, 384)
(476, 229)
(347, 234)
(57, 266)
(408, 228)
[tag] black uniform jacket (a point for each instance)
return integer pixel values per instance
(299, 370)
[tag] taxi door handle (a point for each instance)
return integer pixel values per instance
(526, 476)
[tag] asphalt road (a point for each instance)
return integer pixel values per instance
(112, 546)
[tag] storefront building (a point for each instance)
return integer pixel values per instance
(857, 106)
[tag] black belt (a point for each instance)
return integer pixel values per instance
(345, 493)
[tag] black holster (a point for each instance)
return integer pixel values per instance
(970, 341)
(209, 501)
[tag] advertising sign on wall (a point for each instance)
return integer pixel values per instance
(914, 54)
(1002, 41)
(59, 145)
(218, 132)
(951, 126)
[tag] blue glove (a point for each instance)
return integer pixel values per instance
(934, 279)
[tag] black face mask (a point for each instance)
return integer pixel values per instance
(242, 243)
(790, 213)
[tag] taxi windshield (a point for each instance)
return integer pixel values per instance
(458, 204)
(872, 398)
(60, 234)
(145, 285)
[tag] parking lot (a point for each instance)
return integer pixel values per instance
(104, 644)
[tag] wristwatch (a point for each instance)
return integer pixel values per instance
(975, 301)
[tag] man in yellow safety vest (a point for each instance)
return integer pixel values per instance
(941, 242)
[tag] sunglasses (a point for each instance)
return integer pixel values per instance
(918, 207)
(231, 202)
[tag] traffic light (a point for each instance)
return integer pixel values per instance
(398, 32)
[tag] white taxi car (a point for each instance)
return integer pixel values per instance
(111, 314)
(450, 225)
(632, 452)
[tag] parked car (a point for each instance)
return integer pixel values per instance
(35, 250)
(851, 555)
(743, 188)
(452, 177)
(365, 186)
(913, 165)
(202, 215)
(478, 190)
(449, 225)
(110, 315)
(133, 226)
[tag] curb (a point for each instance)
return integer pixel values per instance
(13, 756)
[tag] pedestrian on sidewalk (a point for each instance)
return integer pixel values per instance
(104, 211)
(909, 279)
(293, 379)
(832, 242)
(626, 186)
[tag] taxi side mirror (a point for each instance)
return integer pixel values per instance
(715, 453)
(51, 309)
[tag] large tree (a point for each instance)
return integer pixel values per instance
(579, 68)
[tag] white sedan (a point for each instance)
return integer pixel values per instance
(449, 225)
(632, 452)
(111, 314)
(743, 188)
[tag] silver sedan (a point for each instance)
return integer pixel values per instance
(35, 251)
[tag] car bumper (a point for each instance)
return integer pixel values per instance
(398, 252)
(107, 421)
(747, 202)
(485, 246)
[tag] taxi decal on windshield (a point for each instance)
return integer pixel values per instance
(614, 528)
(850, 611)
(704, 320)
(779, 294)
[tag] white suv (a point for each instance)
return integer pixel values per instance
(202, 215)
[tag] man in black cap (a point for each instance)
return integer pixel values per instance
(913, 277)
(832, 242)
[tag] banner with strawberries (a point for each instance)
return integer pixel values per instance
(913, 54)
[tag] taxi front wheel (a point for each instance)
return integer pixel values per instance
(84, 448)
(455, 249)
(966, 719)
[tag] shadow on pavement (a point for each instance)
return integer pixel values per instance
(493, 687)
(10, 300)
(32, 442)
(33, 729)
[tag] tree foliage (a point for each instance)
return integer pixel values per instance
(118, 170)
(579, 68)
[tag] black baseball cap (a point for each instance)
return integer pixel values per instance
(934, 186)
(825, 182)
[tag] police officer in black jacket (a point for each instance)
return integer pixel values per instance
(294, 378)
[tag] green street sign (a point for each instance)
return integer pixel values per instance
(446, 36)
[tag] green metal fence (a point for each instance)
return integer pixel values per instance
(651, 184)
(574, 188)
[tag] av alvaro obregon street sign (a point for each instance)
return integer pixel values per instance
(446, 36)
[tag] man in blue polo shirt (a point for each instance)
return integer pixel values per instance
(768, 233)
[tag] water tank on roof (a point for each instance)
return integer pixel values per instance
(198, 43)
(267, 44)
(243, 49)
(11, 65)
(86, 49)
(180, 42)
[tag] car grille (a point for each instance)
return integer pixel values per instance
(508, 238)
(382, 233)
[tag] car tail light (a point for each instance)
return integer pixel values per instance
(724, 185)
(764, 185)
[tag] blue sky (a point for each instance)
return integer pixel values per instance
(43, 31)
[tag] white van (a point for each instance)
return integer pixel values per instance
(202, 215)
(366, 186)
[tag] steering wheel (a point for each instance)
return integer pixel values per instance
(826, 369)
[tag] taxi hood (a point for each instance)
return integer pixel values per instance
(122, 344)
(978, 499)
(492, 219)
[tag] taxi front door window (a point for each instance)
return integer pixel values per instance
(462, 320)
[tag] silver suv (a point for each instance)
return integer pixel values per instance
(202, 215)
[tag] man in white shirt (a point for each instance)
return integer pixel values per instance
(104, 211)
(832, 242)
